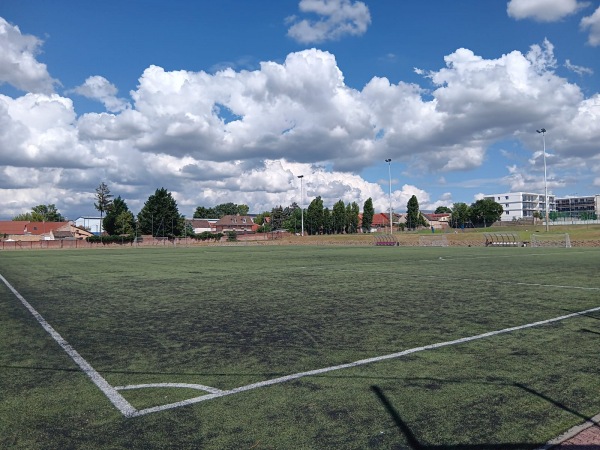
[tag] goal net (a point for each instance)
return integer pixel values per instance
(550, 240)
(433, 241)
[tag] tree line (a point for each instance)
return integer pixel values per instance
(160, 215)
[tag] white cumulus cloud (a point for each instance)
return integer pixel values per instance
(544, 10)
(592, 23)
(335, 19)
(18, 64)
(100, 89)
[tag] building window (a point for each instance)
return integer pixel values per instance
(506, 197)
(507, 212)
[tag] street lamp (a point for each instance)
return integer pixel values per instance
(389, 161)
(543, 133)
(301, 203)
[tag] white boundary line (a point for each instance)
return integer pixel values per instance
(361, 362)
(115, 398)
(129, 411)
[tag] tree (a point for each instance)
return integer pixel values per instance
(460, 215)
(42, 213)
(314, 217)
(442, 210)
(205, 213)
(292, 218)
(277, 217)
(262, 219)
(327, 221)
(368, 213)
(160, 216)
(414, 218)
(125, 223)
(104, 200)
(485, 211)
(111, 221)
(352, 212)
(339, 217)
(218, 211)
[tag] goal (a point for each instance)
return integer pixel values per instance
(551, 240)
(433, 241)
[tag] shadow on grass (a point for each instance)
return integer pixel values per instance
(414, 443)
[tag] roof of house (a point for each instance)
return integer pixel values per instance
(200, 223)
(236, 220)
(435, 217)
(21, 227)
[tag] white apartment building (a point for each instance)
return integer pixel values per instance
(522, 205)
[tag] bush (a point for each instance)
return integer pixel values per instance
(110, 239)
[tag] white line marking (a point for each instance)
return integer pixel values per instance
(361, 362)
(116, 399)
(128, 411)
(200, 387)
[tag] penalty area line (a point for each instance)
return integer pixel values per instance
(361, 362)
(111, 393)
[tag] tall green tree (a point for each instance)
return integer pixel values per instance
(339, 217)
(352, 217)
(414, 218)
(205, 213)
(42, 213)
(277, 218)
(110, 222)
(293, 218)
(442, 210)
(327, 221)
(104, 200)
(313, 221)
(485, 212)
(460, 215)
(160, 215)
(368, 214)
(125, 223)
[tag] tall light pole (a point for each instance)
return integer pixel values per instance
(389, 161)
(543, 133)
(301, 203)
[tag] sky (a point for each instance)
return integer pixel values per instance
(232, 100)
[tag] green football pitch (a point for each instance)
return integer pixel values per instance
(285, 347)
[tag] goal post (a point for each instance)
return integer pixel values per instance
(433, 241)
(551, 240)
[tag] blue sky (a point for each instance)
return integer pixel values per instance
(230, 101)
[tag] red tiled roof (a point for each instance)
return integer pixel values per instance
(21, 227)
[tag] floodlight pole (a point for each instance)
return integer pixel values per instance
(301, 203)
(389, 161)
(546, 203)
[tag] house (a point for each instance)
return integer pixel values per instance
(237, 223)
(438, 221)
(202, 225)
(381, 221)
(24, 230)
